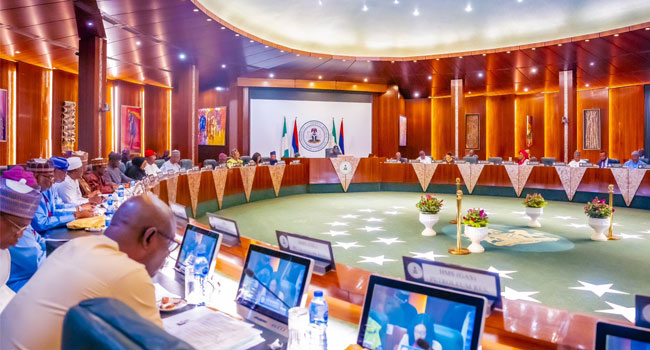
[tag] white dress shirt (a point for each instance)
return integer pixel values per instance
(575, 164)
(5, 270)
(69, 192)
(84, 268)
(151, 169)
(167, 166)
(426, 160)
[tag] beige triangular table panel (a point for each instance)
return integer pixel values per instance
(513, 173)
(475, 173)
(622, 181)
(247, 177)
(172, 185)
(194, 182)
(345, 168)
(634, 181)
(564, 173)
(219, 176)
(424, 173)
(576, 179)
(522, 177)
(466, 173)
(277, 172)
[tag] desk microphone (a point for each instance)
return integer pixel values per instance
(251, 274)
(423, 344)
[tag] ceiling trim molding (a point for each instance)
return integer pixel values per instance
(310, 84)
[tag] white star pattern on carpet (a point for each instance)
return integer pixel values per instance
(628, 312)
(564, 217)
(336, 223)
(647, 232)
(366, 210)
(428, 255)
(512, 294)
(598, 289)
(502, 273)
(392, 212)
(347, 246)
(617, 224)
(373, 220)
(349, 216)
(577, 225)
(626, 236)
(519, 212)
(388, 241)
(379, 260)
(336, 233)
(370, 228)
(397, 207)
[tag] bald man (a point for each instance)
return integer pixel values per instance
(117, 265)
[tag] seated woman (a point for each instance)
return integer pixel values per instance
(421, 333)
(449, 159)
(234, 160)
(523, 157)
(136, 170)
(257, 158)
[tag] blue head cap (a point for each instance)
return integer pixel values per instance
(60, 163)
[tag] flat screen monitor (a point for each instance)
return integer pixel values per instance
(616, 337)
(272, 282)
(410, 316)
(226, 227)
(198, 241)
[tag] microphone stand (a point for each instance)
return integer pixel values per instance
(251, 274)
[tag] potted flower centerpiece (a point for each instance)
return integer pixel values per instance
(534, 204)
(429, 208)
(476, 228)
(598, 212)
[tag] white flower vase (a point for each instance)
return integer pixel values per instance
(599, 226)
(428, 220)
(534, 214)
(476, 235)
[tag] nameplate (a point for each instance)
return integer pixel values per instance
(642, 305)
(178, 210)
(183, 171)
(533, 163)
(170, 172)
(461, 162)
(507, 162)
(615, 165)
(455, 277)
(483, 162)
(585, 165)
(306, 246)
(560, 164)
(207, 167)
(295, 162)
(438, 161)
(644, 166)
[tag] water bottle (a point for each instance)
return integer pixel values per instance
(109, 217)
(120, 192)
(201, 269)
(318, 315)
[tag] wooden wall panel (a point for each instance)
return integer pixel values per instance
(475, 105)
(7, 70)
(212, 99)
(385, 123)
(500, 132)
(626, 121)
(418, 126)
(553, 134)
(184, 102)
(128, 94)
(110, 100)
(442, 127)
(65, 88)
(156, 100)
(530, 105)
(590, 99)
(32, 111)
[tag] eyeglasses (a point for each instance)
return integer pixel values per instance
(172, 244)
(20, 228)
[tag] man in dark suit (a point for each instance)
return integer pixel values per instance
(604, 160)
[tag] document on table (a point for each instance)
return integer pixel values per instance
(206, 329)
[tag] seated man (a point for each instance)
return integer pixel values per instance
(95, 178)
(274, 158)
(604, 160)
(223, 159)
(86, 190)
(112, 174)
(423, 158)
(470, 153)
(69, 190)
(117, 265)
(634, 161)
(173, 163)
(151, 168)
(575, 162)
(398, 157)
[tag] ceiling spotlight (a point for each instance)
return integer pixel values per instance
(16, 51)
(266, 46)
(365, 8)
(520, 1)
(484, 55)
(647, 28)
(392, 61)
(507, 51)
(251, 41)
(415, 61)
(343, 60)
(222, 28)
(196, 10)
(534, 49)
(297, 55)
(311, 84)
(365, 80)
(320, 3)
(90, 23)
(320, 77)
(525, 89)
(468, 8)
(533, 70)
(354, 86)
(586, 40)
(430, 77)
(223, 65)
(181, 56)
(469, 92)
(271, 75)
(281, 50)
(416, 12)
(437, 59)
(616, 34)
(237, 34)
(592, 63)
(209, 19)
(320, 58)
(396, 2)
(559, 44)
(416, 94)
(480, 74)
(587, 85)
(138, 43)
(460, 57)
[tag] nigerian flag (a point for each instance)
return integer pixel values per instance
(333, 139)
(285, 140)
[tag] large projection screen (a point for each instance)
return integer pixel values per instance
(269, 107)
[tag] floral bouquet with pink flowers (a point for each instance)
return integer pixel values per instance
(598, 209)
(476, 217)
(429, 204)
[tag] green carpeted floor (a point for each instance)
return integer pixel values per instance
(386, 223)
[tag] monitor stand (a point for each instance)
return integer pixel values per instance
(263, 321)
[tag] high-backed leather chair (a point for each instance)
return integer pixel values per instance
(186, 164)
(210, 162)
(159, 162)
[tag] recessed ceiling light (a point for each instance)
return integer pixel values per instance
(320, 58)
(343, 60)
(468, 8)
(320, 77)
(365, 80)
(297, 55)
(138, 43)
(237, 34)
(484, 54)
(181, 56)
(416, 94)
(396, 2)
(415, 61)
(271, 75)
(520, 1)
(281, 50)
(90, 23)
(354, 86)
(616, 34)
(533, 70)
(507, 51)
(559, 44)
(470, 92)
(587, 85)
(461, 57)
(364, 8)
(392, 61)
(196, 10)
(430, 77)
(526, 89)
(534, 49)
(223, 65)
(480, 74)
(251, 41)
(586, 40)
(416, 12)
(266, 46)
(222, 28)
(437, 59)
(368, 61)
(647, 28)
(209, 19)
(592, 63)
(16, 51)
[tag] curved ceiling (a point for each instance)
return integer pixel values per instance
(411, 28)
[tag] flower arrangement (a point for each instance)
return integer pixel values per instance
(429, 204)
(598, 209)
(476, 218)
(534, 200)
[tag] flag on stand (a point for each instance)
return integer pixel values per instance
(285, 140)
(341, 143)
(332, 141)
(294, 140)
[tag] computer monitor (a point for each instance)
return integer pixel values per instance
(410, 316)
(272, 282)
(227, 227)
(181, 216)
(198, 241)
(616, 337)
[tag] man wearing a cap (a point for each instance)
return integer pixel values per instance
(47, 216)
(151, 168)
(18, 202)
(95, 178)
(86, 190)
(69, 190)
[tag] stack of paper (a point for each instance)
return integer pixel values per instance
(206, 329)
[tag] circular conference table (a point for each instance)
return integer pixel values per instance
(211, 190)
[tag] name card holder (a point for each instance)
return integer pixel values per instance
(483, 162)
(642, 305)
(318, 250)
(507, 162)
(533, 163)
(460, 162)
(560, 164)
(586, 165)
(479, 282)
(618, 165)
(643, 166)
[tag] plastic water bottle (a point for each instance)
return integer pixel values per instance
(318, 315)
(120, 192)
(196, 272)
(109, 217)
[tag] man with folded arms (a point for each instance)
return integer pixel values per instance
(95, 178)
(118, 264)
(69, 190)
(151, 168)
(112, 174)
(18, 202)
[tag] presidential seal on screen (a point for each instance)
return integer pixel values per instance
(314, 136)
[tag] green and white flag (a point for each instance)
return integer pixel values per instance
(285, 140)
(332, 140)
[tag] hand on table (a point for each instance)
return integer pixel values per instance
(81, 214)
(95, 199)
(86, 206)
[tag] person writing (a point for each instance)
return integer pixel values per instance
(234, 160)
